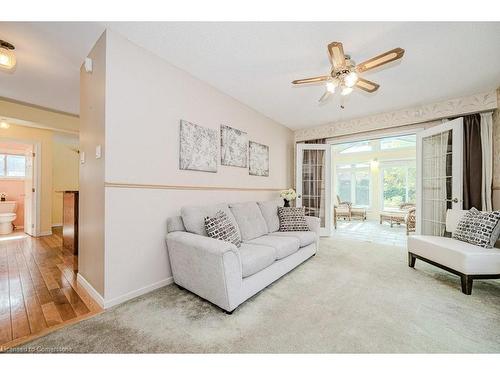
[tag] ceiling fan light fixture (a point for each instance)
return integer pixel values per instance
(346, 91)
(351, 79)
(7, 55)
(330, 86)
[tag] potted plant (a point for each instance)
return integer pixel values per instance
(288, 195)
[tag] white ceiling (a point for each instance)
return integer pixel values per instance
(49, 56)
(255, 62)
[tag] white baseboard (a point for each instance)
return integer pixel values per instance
(138, 292)
(45, 233)
(90, 290)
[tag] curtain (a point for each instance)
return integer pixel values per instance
(472, 162)
(487, 160)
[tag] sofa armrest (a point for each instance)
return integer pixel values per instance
(314, 225)
(208, 267)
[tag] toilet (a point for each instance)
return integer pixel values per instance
(7, 216)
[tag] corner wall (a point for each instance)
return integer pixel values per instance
(92, 132)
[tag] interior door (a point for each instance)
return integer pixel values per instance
(439, 175)
(29, 199)
(313, 182)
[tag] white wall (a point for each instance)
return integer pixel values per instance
(91, 207)
(145, 99)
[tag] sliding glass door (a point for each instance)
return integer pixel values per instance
(313, 182)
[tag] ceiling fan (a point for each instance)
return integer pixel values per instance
(345, 73)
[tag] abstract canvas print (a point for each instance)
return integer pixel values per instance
(233, 147)
(198, 148)
(259, 159)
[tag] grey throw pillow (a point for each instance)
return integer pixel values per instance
(292, 219)
(480, 228)
(221, 228)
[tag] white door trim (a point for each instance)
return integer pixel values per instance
(37, 167)
(327, 229)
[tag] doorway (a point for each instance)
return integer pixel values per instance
(19, 187)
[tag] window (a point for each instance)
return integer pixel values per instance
(12, 166)
(347, 148)
(353, 183)
(399, 184)
(398, 142)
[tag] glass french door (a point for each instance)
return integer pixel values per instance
(439, 175)
(313, 171)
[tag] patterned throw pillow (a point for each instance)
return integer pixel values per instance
(479, 228)
(292, 219)
(221, 228)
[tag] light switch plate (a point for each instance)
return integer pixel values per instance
(82, 157)
(88, 65)
(98, 151)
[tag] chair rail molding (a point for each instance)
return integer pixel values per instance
(486, 101)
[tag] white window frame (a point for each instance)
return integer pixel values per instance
(5, 167)
(352, 170)
(390, 164)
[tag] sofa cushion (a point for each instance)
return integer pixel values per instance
(269, 211)
(305, 238)
(478, 228)
(457, 255)
(255, 258)
(250, 220)
(292, 219)
(284, 246)
(193, 217)
(221, 228)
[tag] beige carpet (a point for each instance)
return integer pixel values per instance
(353, 297)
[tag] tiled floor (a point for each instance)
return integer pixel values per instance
(371, 231)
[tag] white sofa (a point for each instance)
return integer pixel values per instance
(460, 258)
(224, 274)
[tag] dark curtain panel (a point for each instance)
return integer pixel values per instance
(320, 141)
(473, 164)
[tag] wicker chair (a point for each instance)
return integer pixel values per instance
(410, 220)
(341, 210)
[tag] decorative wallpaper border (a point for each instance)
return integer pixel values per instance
(448, 108)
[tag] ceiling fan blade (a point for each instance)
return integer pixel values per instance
(336, 54)
(311, 80)
(384, 58)
(366, 85)
(324, 96)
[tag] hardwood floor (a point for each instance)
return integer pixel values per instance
(38, 288)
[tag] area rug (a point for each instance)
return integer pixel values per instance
(353, 297)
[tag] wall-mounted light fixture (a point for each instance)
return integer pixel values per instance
(7, 55)
(374, 163)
